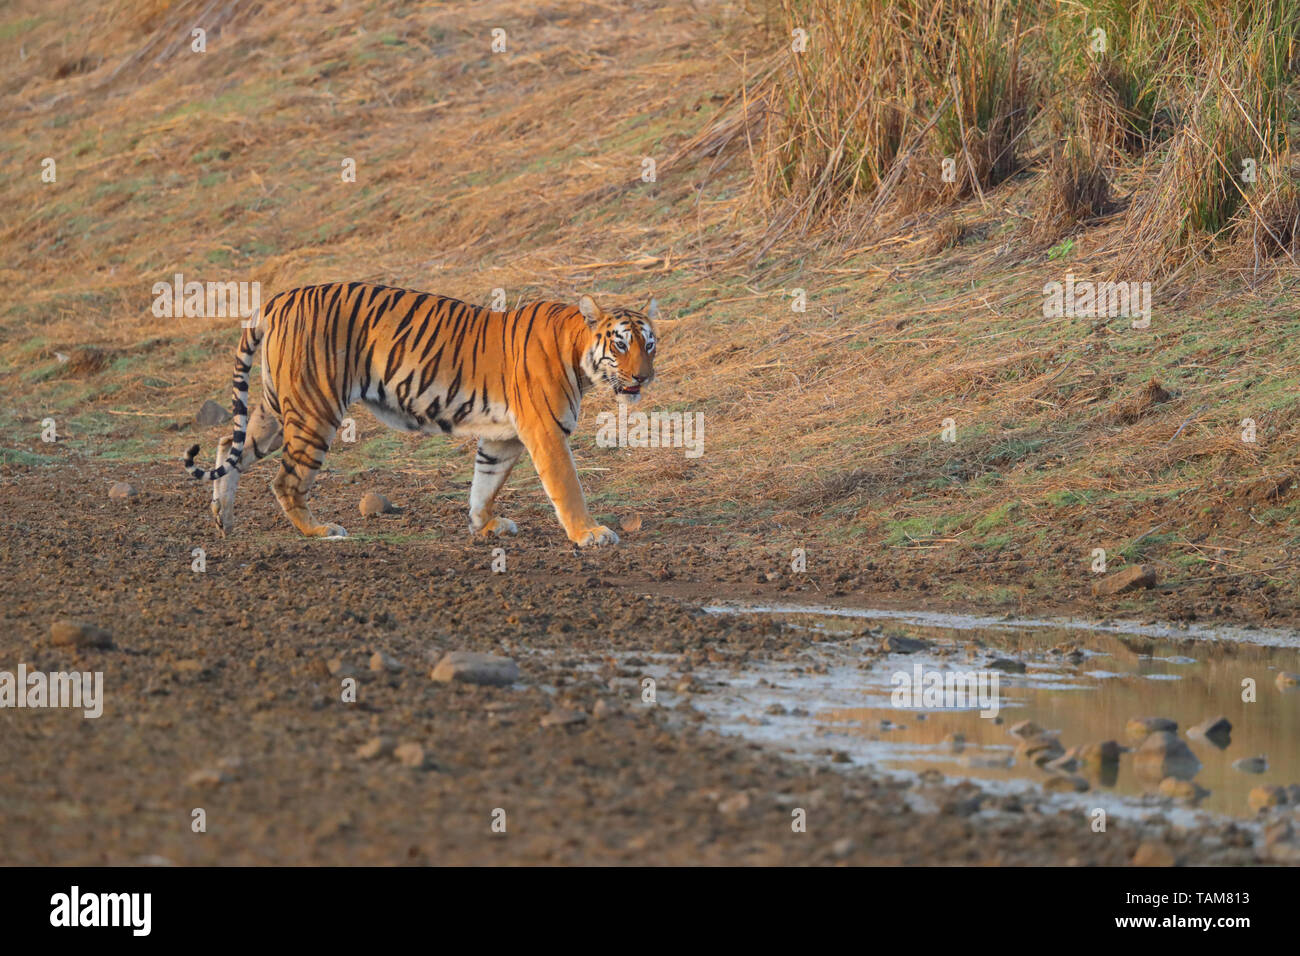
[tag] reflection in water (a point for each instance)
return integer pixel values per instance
(1082, 686)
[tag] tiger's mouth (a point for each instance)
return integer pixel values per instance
(627, 389)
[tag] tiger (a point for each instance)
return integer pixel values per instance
(428, 364)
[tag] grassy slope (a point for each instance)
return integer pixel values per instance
(520, 171)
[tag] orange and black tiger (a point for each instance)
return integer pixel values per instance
(426, 363)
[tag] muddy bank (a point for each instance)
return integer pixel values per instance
(222, 693)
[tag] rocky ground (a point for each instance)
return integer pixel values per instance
(224, 691)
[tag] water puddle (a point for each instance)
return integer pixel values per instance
(1081, 681)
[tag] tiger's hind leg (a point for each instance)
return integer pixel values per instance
(304, 451)
(264, 437)
(493, 463)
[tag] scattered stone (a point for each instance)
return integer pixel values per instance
(1065, 783)
(1140, 727)
(563, 717)
(411, 754)
(1183, 790)
(1066, 763)
(212, 414)
(340, 668)
(471, 667)
(1258, 764)
(1006, 665)
(1217, 730)
(1267, 796)
(605, 709)
(121, 490)
(374, 748)
(373, 503)
(956, 742)
(1126, 579)
(1024, 729)
(78, 634)
(897, 644)
(207, 777)
(1153, 854)
(737, 803)
(776, 710)
(843, 847)
(379, 661)
(1285, 680)
(1164, 754)
(1040, 749)
(1098, 754)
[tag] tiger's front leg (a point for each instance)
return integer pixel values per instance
(549, 449)
(493, 463)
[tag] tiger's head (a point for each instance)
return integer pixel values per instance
(622, 350)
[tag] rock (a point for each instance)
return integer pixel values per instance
(374, 748)
(212, 414)
(1262, 798)
(340, 668)
(1287, 680)
(956, 742)
(121, 491)
(1040, 749)
(1024, 729)
(563, 717)
(1217, 730)
(1164, 754)
(1153, 854)
(738, 803)
(78, 634)
(1284, 851)
(379, 661)
(1126, 579)
(1258, 764)
(843, 847)
(471, 667)
(1006, 665)
(1067, 763)
(207, 777)
(373, 503)
(1065, 783)
(1183, 790)
(1140, 727)
(897, 644)
(604, 709)
(1095, 755)
(411, 754)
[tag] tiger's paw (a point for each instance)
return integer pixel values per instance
(223, 515)
(595, 537)
(498, 527)
(331, 532)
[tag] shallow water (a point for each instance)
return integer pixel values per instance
(837, 693)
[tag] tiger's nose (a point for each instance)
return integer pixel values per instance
(640, 378)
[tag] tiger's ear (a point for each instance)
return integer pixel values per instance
(590, 311)
(652, 311)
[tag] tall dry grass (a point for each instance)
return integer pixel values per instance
(917, 103)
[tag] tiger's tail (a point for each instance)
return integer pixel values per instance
(249, 340)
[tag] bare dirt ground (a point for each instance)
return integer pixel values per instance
(219, 695)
